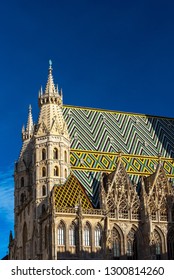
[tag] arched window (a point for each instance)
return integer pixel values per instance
(43, 171)
(98, 236)
(55, 153)
(43, 190)
(129, 249)
(43, 154)
(132, 245)
(87, 235)
(65, 173)
(56, 171)
(61, 234)
(65, 156)
(116, 244)
(43, 209)
(22, 182)
(72, 235)
(156, 246)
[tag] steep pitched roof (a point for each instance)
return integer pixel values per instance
(98, 135)
(68, 194)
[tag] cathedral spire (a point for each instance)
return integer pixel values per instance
(50, 87)
(29, 127)
(51, 95)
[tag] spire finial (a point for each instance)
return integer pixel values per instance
(50, 64)
(29, 127)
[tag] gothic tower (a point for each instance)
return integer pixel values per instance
(52, 142)
(43, 162)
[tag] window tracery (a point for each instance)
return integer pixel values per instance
(135, 211)
(132, 245)
(87, 235)
(156, 246)
(98, 235)
(72, 235)
(123, 210)
(116, 244)
(61, 234)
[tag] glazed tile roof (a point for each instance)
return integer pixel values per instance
(67, 195)
(97, 136)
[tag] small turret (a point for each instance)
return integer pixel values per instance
(10, 237)
(28, 132)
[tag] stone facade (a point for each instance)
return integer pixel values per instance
(55, 217)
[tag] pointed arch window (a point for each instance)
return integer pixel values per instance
(56, 171)
(22, 182)
(132, 245)
(43, 190)
(156, 246)
(98, 236)
(43, 154)
(43, 172)
(87, 235)
(130, 249)
(55, 153)
(65, 156)
(116, 244)
(61, 234)
(72, 235)
(66, 173)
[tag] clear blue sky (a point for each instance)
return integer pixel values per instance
(113, 54)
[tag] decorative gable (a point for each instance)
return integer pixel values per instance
(118, 194)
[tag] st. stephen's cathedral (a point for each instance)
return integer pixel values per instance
(93, 184)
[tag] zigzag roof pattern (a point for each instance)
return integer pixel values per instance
(98, 135)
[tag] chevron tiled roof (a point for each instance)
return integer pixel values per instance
(97, 136)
